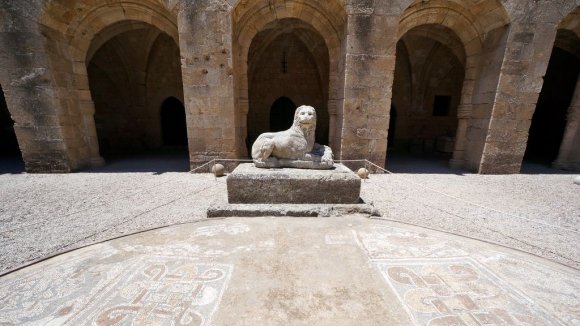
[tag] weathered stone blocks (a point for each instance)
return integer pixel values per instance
(248, 184)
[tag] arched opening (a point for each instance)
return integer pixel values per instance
(427, 90)
(281, 65)
(282, 114)
(10, 156)
(173, 124)
(549, 119)
(131, 76)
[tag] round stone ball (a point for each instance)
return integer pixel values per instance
(218, 170)
(363, 173)
(577, 180)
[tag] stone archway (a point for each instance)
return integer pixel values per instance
(320, 28)
(74, 32)
(428, 81)
(468, 26)
(556, 112)
(287, 59)
(130, 76)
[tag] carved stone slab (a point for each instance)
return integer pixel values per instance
(251, 185)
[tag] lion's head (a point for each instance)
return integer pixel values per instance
(305, 116)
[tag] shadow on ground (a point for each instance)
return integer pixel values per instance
(157, 162)
(11, 165)
(401, 162)
(531, 167)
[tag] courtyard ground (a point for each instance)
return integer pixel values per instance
(291, 270)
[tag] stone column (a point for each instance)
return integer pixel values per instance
(87, 109)
(332, 113)
(569, 155)
(206, 64)
(530, 40)
(31, 96)
(370, 65)
(463, 115)
(525, 62)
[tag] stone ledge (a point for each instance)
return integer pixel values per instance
(291, 210)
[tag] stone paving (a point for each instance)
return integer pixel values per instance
(292, 271)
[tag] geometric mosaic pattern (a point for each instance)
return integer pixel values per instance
(458, 291)
(146, 290)
(384, 242)
(436, 280)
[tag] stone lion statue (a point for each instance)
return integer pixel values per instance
(294, 147)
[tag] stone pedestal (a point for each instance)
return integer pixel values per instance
(254, 191)
(251, 185)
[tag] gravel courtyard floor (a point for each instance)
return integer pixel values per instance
(42, 215)
(399, 269)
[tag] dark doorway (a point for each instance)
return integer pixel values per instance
(282, 114)
(10, 157)
(173, 125)
(549, 120)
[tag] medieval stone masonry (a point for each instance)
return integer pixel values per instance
(489, 82)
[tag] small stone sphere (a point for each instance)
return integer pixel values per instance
(363, 173)
(577, 180)
(218, 170)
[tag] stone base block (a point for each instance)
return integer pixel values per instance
(292, 210)
(251, 185)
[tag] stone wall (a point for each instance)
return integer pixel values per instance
(489, 56)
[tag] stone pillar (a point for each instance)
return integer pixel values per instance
(87, 109)
(370, 65)
(205, 41)
(28, 85)
(463, 115)
(333, 116)
(525, 62)
(569, 155)
(530, 40)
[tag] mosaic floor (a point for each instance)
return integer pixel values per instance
(284, 271)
